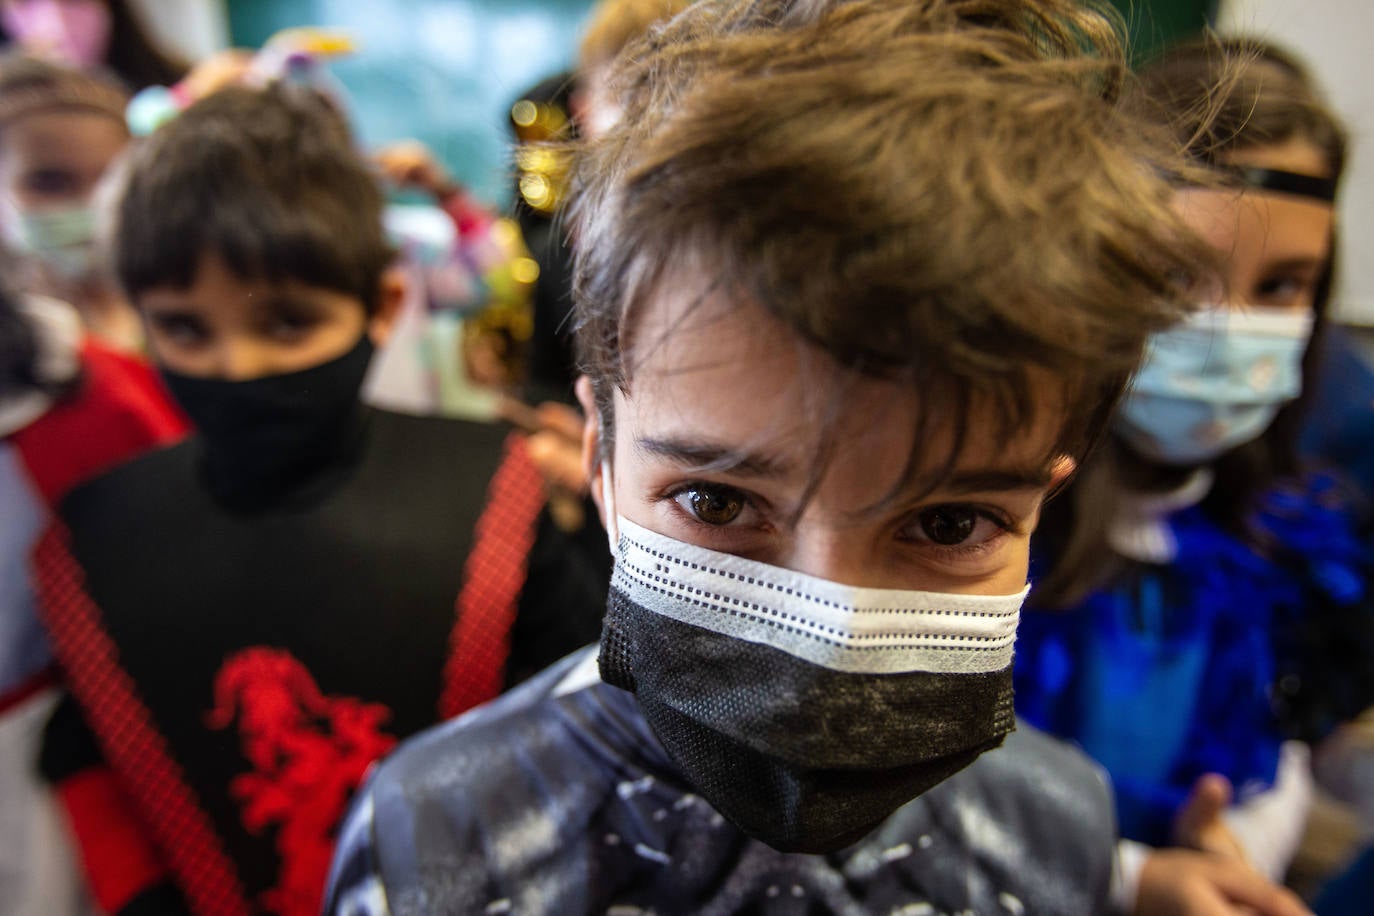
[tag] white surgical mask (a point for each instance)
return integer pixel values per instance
(61, 238)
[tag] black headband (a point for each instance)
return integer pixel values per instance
(1323, 189)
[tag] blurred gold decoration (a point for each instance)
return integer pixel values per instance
(314, 40)
(524, 113)
(543, 169)
(525, 270)
(495, 338)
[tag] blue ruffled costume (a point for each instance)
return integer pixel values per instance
(1207, 664)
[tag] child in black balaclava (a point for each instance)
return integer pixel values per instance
(249, 619)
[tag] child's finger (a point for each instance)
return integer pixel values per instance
(561, 419)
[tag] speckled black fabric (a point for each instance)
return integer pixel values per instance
(802, 757)
(563, 803)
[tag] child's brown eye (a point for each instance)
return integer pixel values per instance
(50, 182)
(714, 506)
(949, 526)
(1281, 291)
(182, 330)
(291, 326)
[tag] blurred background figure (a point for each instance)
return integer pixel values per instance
(1205, 605)
(559, 108)
(461, 344)
(88, 34)
(61, 132)
(562, 108)
(70, 408)
(248, 619)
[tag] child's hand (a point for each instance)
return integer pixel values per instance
(1183, 882)
(555, 447)
(218, 71)
(410, 164)
(1199, 824)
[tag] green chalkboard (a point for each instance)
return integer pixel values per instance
(1155, 24)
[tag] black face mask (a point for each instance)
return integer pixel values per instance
(268, 437)
(804, 711)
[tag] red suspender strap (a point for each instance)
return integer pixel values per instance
(119, 411)
(120, 861)
(492, 582)
(124, 728)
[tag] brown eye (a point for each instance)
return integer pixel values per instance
(949, 526)
(183, 330)
(290, 326)
(715, 506)
(51, 182)
(1283, 292)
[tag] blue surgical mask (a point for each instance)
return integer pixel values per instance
(1213, 382)
(62, 239)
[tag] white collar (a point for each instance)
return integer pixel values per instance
(1140, 531)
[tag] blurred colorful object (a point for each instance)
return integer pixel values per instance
(542, 170)
(297, 55)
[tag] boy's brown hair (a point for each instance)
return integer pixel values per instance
(269, 181)
(948, 193)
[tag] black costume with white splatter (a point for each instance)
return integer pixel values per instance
(558, 799)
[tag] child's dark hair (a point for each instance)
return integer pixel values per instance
(1221, 97)
(135, 55)
(266, 180)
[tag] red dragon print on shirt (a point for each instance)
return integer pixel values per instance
(308, 753)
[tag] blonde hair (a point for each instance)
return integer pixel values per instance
(616, 23)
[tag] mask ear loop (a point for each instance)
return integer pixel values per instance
(608, 504)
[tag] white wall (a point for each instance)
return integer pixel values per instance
(1334, 38)
(191, 28)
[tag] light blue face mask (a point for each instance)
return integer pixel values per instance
(1213, 382)
(62, 239)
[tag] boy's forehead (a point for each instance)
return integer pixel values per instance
(717, 372)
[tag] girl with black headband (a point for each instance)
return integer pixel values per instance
(1204, 606)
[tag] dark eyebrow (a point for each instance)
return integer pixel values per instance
(995, 480)
(708, 457)
(1295, 264)
(287, 302)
